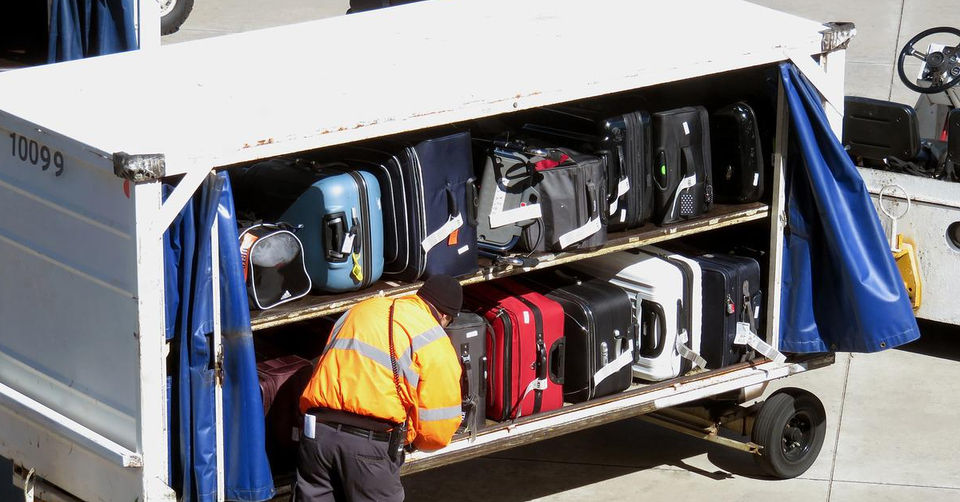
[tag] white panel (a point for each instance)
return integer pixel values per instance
(935, 205)
(264, 93)
(68, 310)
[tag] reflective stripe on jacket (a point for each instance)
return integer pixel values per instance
(354, 373)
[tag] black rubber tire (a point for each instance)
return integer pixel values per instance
(172, 21)
(790, 428)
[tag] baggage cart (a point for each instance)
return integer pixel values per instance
(84, 412)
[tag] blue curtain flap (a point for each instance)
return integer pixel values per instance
(841, 287)
(189, 280)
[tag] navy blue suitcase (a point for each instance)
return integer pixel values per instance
(443, 216)
(731, 295)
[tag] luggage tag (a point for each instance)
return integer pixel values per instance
(499, 217)
(687, 353)
(357, 270)
(309, 426)
(745, 336)
(624, 359)
(442, 233)
(578, 234)
(622, 188)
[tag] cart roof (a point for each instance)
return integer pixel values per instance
(241, 97)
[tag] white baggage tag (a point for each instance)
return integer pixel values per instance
(623, 215)
(471, 334)
(526, 212)
(441, 233)
(309, 426)
(756, 179)
(746, 337)
(688, 354)
(624, 359)
(613, 206)
(686, 128)
(463, 249)
(623, 187)
(578, 234)
(348, 243)
(526, 317)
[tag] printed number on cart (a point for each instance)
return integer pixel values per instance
(28, 150)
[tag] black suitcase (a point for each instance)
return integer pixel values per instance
(625, 142)
(731, 295)
(468, 333)
(600, 333)
(737, 157)
(628, 138)
(682, 173)
(571, 191)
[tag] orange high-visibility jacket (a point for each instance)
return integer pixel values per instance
(354, 373)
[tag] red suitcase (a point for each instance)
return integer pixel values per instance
(526, 349)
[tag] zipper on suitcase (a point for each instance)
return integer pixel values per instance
(506, 360)
(366, 251)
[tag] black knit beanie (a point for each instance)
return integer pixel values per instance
(444, 293)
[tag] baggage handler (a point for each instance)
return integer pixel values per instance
(362, 406)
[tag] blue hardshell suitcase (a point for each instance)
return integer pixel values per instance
(342, 228)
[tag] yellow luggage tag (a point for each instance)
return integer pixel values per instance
(357, 271)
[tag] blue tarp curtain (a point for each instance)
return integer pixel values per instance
(841, 287)
(84, 28)
(189, 283)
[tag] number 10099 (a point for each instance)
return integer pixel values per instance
(29, 150)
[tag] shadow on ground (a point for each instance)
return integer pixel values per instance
(937, 340)
(579, 459)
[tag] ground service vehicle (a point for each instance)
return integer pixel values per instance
(96, 170)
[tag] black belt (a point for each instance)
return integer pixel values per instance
(359, 431)
(360, 426)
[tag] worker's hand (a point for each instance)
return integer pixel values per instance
(410, 448)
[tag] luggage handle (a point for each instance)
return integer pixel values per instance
(687, 162)
(334, 233)
(558, 354)
(659, 339)
(473, 202)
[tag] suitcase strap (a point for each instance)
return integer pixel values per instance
(746, 331)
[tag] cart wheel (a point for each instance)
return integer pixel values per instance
(790, 428)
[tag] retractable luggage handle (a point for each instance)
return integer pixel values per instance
(661, 336)
(335, 232)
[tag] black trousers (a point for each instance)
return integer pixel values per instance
(338, 466)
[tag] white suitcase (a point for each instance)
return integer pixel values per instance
(656, 285)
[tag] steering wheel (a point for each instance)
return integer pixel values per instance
(943, 67)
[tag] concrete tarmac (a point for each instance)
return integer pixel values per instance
(891, 415)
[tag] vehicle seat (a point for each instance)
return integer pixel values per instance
(875, 130)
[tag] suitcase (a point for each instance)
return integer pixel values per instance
(443, 215)
(396, 196)
(282, 381)
(600, 333)
(525, 352)
(682, 173)
(731, 295)
(628, 138)
(571, 189)
(338, 209)
(737, 158)
(625, 141)
(468, 333)
(506, 197)
(656, 288)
